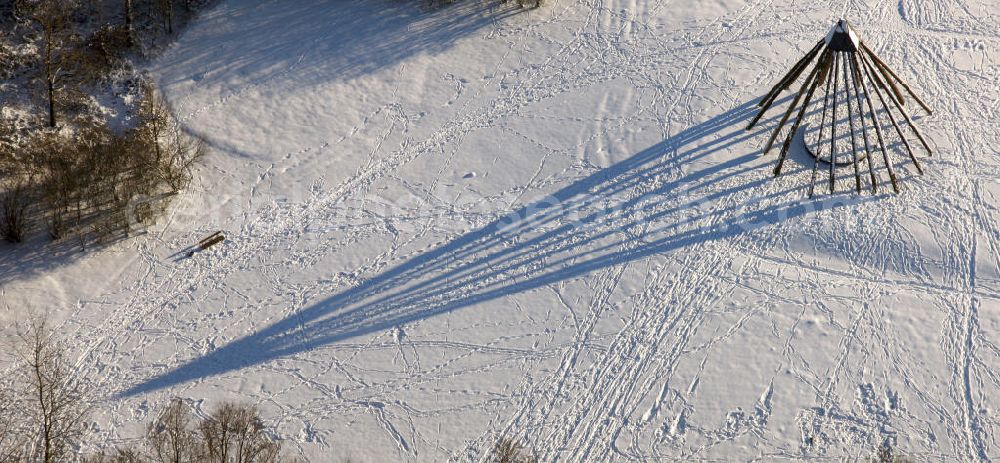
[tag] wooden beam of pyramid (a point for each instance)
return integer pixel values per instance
(791, 76)
(825, 66)
(791, 107)
(851, 74)
(879, 87)
(875, 123)
(850, 125)
(889, 71)
(864, 134)
(822, 126)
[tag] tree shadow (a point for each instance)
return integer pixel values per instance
(242, 46)
(639, 207)
(36, 255)
(316, 41)
(309, 41)
(40, 253)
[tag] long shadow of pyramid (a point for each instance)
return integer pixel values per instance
(584, 227)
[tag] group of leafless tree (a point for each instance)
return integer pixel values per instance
(45, 409)
(96, 182)
(72, 173)
(233, 433)
(77, 41)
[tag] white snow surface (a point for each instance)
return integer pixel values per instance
(621, 279)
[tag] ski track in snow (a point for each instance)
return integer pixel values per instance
(678, 304)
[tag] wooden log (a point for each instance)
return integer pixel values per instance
(207, 242)
(212, 242)
(875, 58)
(869, 71)
(850, 123)
(822, 127)
(833, 133)
(790, 77)
(864, 129)
(208, 238)
(791, 108)
(877, 125)
(824, 64)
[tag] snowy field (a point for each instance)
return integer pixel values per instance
(449, 226)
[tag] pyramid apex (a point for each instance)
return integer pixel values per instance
(842, 37)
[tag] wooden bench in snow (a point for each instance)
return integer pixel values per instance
(207, 242)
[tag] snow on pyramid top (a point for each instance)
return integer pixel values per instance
(842, 37)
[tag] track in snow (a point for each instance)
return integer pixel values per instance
(621, 280)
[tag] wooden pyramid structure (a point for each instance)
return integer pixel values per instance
(853, 76)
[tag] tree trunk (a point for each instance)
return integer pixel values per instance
(170, 17)
(50, 78)
(52, 102)
(128, 22)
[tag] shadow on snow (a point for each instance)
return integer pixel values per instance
(645, 205)
(309, 41)
(318, 41)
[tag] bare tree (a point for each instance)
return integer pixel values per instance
(182, 153)
(166, 10)
(236, 434)
(117, 456)
(175, 151)
(54, 399)
(171, 437)
(11, 443)
(58, 163)
(129, 31)
(231, 434)
(52, 17)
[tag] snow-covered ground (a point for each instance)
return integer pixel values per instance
(454, 225)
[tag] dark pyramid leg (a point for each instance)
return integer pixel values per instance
(797, 69)
(824, 65)
(850, 123)
(878, 92)
(876, 124)
(864, 129)
(833, 130)
(876, 59)
(910, 123)
(822, 127)
(768, 100)
(791, 107)
(791, 75)
(891, 89)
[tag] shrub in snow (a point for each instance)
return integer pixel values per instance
(232, 433)
(96, 151)
(510, 451)
(14, 210)
(235, 434)
(96, 183)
